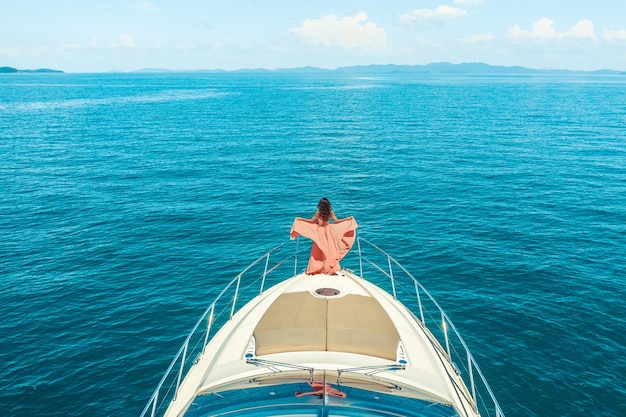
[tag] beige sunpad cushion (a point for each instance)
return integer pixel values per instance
(353, 323)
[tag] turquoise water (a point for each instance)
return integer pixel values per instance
(126, 199)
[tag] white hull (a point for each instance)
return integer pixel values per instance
(326, 345)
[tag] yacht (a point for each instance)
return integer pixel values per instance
(368, 340)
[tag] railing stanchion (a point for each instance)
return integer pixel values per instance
(471, 375)
(419, 302)
(208, 328)
(182, 366)
(267, 261)
(445, 333)
(393, 284)
(154, 404)
(232, 310)
(358, 245)
(295, 262)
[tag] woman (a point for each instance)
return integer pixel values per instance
(331, 241)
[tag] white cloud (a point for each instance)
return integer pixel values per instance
(478, 38)
(583, 30)
(346, 32)
(543, 30)
(615, 35)
(420, 17)
(126, 41)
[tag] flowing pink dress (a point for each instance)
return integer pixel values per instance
(331, 242)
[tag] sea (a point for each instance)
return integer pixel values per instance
(126, 199)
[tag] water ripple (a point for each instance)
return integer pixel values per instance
(128, 199)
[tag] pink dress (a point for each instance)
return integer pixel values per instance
(331, 242)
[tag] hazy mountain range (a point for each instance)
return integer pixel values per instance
(435, 68)
(372, 70)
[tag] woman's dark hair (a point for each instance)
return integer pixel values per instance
(324, 209)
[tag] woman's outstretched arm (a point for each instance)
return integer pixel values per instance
(336, 220)
(311, 220)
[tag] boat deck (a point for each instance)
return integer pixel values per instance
(338, 330)
(324, 345)
(322, 322)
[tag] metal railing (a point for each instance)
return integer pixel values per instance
(427, 311)
(277, 267)
(249, 283)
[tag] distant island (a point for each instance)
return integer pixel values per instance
(393, 69)
(464, 68)
(11, 70)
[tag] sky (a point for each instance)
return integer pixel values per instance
(128, 35)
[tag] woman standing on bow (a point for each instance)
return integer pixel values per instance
(331, 241)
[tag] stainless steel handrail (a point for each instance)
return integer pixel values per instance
(181, 359)
(434, 319)
(445, 326)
